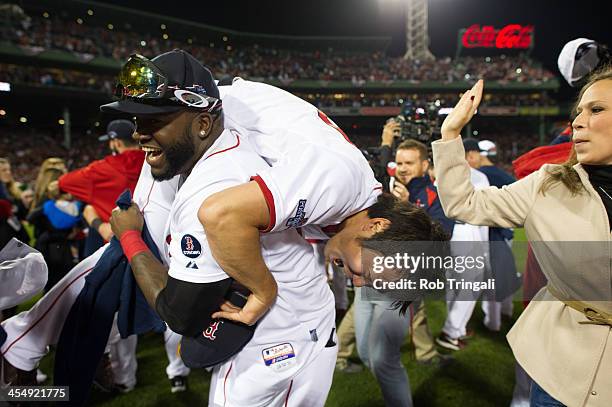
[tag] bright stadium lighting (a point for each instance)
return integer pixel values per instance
(488, 59)
(224, 38)
(163, 26)
(2, 112)
(90, 12)
(97, 124)
(46, 15)
(475, 132)
(467, 76)
(79, 21)
(61, 121)
(519, 70)
(143, 43)
(5, 87)
(110, 26)
(165, 36)
(23, 119)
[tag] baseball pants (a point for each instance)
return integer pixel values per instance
(243, 382)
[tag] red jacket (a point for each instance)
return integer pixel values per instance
(101, 182)
(532, 160)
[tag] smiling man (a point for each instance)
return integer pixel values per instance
(291, 354)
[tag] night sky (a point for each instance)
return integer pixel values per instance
(555, 21)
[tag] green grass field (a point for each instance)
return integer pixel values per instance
(482, 374)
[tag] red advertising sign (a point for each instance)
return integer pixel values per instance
(510, 36)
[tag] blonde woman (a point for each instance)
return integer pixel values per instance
(54, 218)
(50, 171)
(563, 339)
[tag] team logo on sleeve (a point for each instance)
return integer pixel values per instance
(300, 215)
(191, 247)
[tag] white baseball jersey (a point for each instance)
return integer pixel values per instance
(317, 176)
(299, 324)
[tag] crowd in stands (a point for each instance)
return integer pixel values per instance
(357, 100)
(87, 41)
(26, 148)
(32, 75)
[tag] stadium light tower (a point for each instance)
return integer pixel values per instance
(417, 34)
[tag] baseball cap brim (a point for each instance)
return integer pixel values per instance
(228, 339)
(137, 109)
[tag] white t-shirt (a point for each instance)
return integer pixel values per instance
(317, 176)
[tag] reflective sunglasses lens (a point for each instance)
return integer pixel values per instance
(138, 79)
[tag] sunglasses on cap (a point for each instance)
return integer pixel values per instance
(140, 80)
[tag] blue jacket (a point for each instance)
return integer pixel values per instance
(503, 267)
(424, 194)
(109, 288)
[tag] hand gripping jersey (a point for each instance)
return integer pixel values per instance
(299, 324)
(316, 175)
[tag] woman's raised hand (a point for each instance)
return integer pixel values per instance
(463, 112)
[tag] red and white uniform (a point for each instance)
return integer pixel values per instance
(317, 176)
(290, 339)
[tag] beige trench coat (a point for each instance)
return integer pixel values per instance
(571, 361)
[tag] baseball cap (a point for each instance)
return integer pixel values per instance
(471, 144)
(121, 129)
(221, 340)
(578, 59)
(487, 148)
(168, 83)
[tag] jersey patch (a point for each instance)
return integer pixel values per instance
(279, 357)
(191, 247)
(300, 215)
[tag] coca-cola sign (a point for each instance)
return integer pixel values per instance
(510, 36)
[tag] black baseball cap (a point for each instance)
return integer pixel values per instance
(471, 144)
(118, 129)
(175, 71)
(221, 340)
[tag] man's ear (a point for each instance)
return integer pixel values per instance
(425, 166)
(374, 226)
(204, 124)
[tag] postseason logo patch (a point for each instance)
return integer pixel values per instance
(191, 247)
(279, 357)
(300, 215)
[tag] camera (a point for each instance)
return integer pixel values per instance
(419, 123)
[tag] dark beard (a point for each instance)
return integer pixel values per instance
(177, 156)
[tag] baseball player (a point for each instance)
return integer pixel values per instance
(292, 353)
